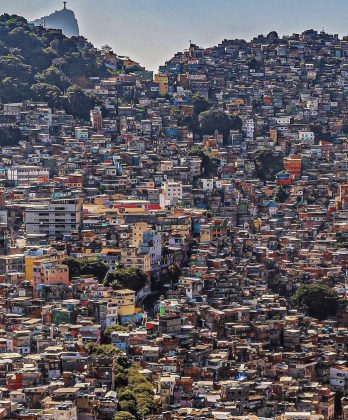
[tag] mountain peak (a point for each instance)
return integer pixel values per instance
(63, 19)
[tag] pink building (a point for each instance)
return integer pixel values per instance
(50, 274)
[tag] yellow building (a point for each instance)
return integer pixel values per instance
(125, 301)
(31, 260)
(206, 233)
(29, 264)
(131, 258)
(138, 230)
(162, 80)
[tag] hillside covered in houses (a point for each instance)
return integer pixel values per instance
(173, 245)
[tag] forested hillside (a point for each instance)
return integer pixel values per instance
(43, 64)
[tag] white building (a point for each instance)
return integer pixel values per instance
(306, 137)
(57, 218)
(301, 415)
(171, 193)
(111, 312)
(64, 411)
(339, 378)
(249, 128)
(207, 184)
(155, 251)
(27, 175)
(282, 120)
(81, 133)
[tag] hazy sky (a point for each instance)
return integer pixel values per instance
(150, 31)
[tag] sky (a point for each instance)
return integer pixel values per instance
(151, 31)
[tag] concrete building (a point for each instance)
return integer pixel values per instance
(172, 193)
(27, 175)
(57, 218)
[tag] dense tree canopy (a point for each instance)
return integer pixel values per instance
(281, 194)
(78, 103)
(195, 151)
(134, 391)
(77, 268)
(110, 329)
(9, 136)
(45, 92)
(191, 122)
(200, 104)
(209, 166)
(318, 300)
(38, 63)
(268, 164)
(53, 76)
(101, 350)
(124, 415)
(126, 277)
(254, 64)
(212, 121)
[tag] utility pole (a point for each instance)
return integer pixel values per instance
(64, 3)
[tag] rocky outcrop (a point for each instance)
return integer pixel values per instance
(62, 19)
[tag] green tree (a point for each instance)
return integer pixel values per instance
(126, 278)
(135, 392)
(78, 103)
(124, 415)
(120, 376)
(10, 136)
(101, 350)
(110, 329)
(212, 121)
(96, 268)
(281, 194)
(173, 273)
(13, 90)
(77, 268)
(209, 166)
(126, 394)
(55, 77)
(26, 51)
(192, 123)
(338, 403)
(46, 92)
(268, 164)
(13, 66)
(143, 391)
(128, 405)
(74, 267)
(194, 151)
(200, 104)
(318, 300)
(273, 35)
(124, 362)
(253, 64)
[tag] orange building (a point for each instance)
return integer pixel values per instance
(49, 273)
(293, 164)
(163, 82)
(74, 181)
